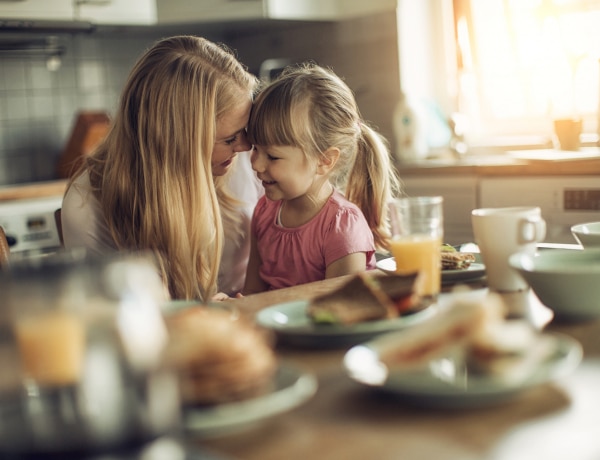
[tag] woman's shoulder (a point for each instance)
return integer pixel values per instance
(79, 188)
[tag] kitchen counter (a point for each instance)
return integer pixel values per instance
(33, 190)
(521, 164)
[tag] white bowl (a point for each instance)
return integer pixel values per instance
(566, 281)
(588, 234)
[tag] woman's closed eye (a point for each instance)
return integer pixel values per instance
(231, 140)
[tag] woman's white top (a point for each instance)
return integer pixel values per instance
(83, 224)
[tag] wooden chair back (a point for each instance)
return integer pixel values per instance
(4, 250)
(58, 221)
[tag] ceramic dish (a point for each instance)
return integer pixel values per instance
(588, 234)
(474, 272)
(445, 384)
(293, 326)
(565, 280)
(291, 388)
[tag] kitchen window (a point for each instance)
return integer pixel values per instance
(503, 68)
(522, 63)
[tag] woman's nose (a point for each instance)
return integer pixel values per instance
(242, 144)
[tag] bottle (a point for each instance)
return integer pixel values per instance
(406, 130)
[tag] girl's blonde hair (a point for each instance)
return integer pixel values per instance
(152, 174)
(311, 108)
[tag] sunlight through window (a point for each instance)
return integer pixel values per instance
(523, 63)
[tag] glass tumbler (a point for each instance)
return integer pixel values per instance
(417, 228)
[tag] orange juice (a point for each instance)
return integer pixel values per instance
(52, 347)
(419, 253)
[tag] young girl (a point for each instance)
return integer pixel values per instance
(327, 178)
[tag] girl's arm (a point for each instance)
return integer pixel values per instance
(347, 265)
(254, 282)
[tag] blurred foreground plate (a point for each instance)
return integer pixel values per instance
(474, 272)
(291, 388)
(293, 326)
(445, 384)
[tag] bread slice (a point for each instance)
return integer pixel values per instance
(449, 329)
(457, 260)
(365, 297)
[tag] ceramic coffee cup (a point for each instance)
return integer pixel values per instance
(501, 232)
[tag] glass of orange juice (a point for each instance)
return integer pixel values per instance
(417, 226)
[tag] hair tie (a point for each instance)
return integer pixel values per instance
(358, 125)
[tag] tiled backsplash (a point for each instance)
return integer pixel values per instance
(38, 106)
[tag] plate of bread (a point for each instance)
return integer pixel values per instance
(456, 266)
(366, 305)
(228, 372)
(468, 355)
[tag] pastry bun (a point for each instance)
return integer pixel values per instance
(219, 357)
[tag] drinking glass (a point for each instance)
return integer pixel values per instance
(417, 227)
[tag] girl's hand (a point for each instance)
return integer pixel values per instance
(220, 296)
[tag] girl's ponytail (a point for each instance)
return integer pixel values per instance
(373, 182)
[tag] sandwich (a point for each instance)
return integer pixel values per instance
(366, 297)
(452, 328)
(455, 260)
(473, 332)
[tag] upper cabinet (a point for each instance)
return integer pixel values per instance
(186, 11)
(37, 9)
(117, 12)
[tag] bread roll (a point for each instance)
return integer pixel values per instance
(219, 358)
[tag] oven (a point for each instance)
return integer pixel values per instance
(30, 226)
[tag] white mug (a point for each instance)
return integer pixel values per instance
(501, 232)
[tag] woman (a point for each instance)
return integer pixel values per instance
(159, 180)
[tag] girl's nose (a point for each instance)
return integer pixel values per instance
(242, 145)
(255, 159)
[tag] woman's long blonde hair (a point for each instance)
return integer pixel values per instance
(311, 108)
(152, 174)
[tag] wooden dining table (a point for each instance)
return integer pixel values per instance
(346, 420)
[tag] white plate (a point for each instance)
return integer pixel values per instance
(293, 326)
(291, 388)
(475, 271)
(445, 384)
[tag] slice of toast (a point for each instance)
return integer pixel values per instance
(457, 260)
(365, 297)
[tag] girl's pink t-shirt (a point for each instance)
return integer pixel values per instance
(292, 256)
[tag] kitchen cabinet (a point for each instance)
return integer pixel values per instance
(117, 12)
(37, 9)
(564, 200)
(460, 198)
(186, 11)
